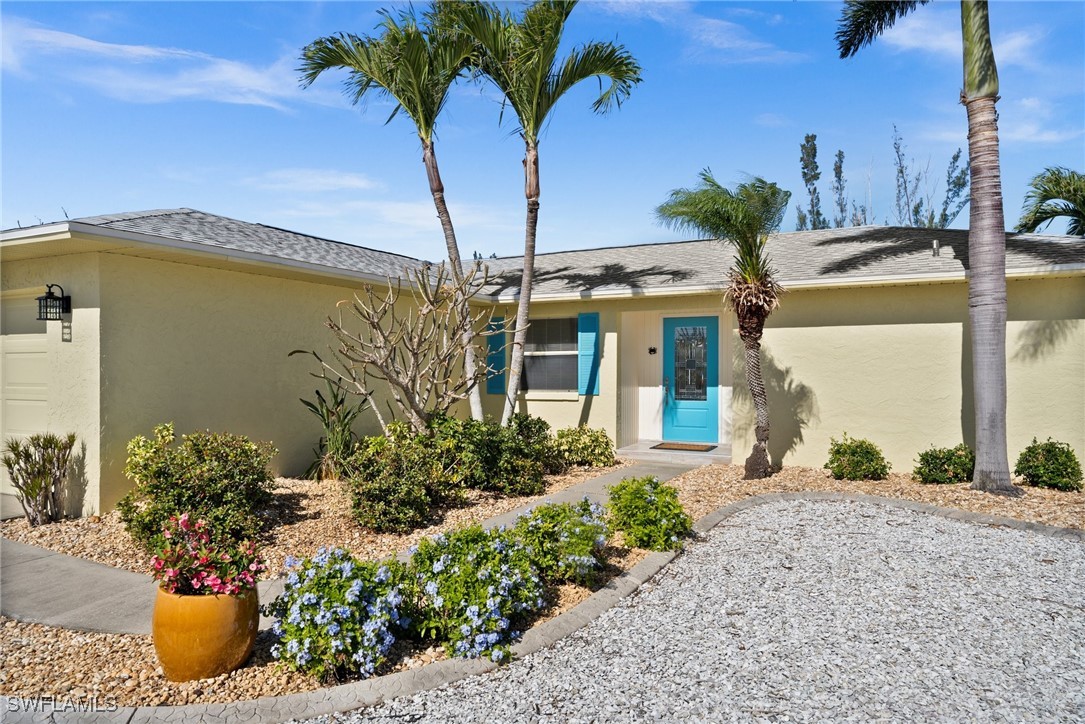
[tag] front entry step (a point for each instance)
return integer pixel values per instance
(642, 450)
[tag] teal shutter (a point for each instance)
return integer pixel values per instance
(587, 347)
(495, 357)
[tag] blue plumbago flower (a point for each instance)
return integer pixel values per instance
(465, 630)
(277, 628)
(310, 574)
(276, 651)
(438, 601)
(502, 623)
(303, 658)
(483, 574)
(292, 646)
(291, 562)
(497, 655)
(309, 599)
(431, 588)
(412, 549)
(346, 567)
(394, 598)
(354, 591)
(439, 539)
(342, 611)
(323, 616)
(333, 628)
(295, 615)
(337, 645)
(383, 574)
(321, 557)
(292, 579)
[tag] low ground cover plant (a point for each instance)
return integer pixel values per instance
(564, 540)
(649, 514)
(38, 469)
(584, 446)
(474, 588)
(189, 561)
(1050, 464)
(337, 616)
(218, 477)
(945, 465)
(856, 459)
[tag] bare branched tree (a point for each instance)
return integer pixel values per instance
(412, 345)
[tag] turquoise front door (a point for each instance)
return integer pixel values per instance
(691, 372)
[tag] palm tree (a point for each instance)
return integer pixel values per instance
(860, 23)
(520, 58)
(1055, 192)
(743, 218)
(414, 65)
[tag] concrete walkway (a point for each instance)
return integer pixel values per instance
(50, 588)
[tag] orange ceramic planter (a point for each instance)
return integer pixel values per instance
(199, 637)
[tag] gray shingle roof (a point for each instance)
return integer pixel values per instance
(829, 256)
(198, 227)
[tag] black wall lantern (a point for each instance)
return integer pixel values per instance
(52, 307)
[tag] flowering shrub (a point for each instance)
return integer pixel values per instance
(856, 459)
(945, 465)
(648, 513)
(564, 540)
(1050, 464)
(473, 586)
(584, 446)
(337, 617)
(221, 478)
(188, 562)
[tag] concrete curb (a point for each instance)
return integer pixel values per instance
(406, 683)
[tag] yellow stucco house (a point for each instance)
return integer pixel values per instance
(186, 316)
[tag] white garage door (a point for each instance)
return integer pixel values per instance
(24, 374)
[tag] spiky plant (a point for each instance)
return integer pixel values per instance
(1052, 194)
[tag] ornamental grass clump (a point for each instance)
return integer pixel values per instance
(945, 465)
(337, 617)
(189, 562)
(856, 459)
(1050, 464)
(564, 540)
(474, 587)
(649, 514)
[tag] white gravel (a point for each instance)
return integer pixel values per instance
(813, 611)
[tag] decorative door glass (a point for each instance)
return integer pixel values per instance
(690, 363)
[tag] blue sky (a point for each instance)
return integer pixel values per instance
(110, 107)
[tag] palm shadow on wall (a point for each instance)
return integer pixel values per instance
(1041, 337)
(793, 407)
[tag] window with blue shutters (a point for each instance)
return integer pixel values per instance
(562, 355)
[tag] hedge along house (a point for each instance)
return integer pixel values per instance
(185, 316)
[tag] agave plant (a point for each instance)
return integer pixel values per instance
(337, 443)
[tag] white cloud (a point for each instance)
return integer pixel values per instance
(311, 180)
(772, 120)
(939, 33)
(1035, 120)
(709, 39)
(150, 74)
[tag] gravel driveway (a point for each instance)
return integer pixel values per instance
(814, 611)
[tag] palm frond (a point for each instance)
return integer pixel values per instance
(1055, 192)
(861, 21)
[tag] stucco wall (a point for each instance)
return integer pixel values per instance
(892, 364)
(71, 356)
(208, 349)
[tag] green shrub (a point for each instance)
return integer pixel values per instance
(945, 465)
(856, 459)
(473, 588)
(564, 540)
(218, 477)
(389, 482)
(584, 446)
(337, 443)
(38, 468)
(337, 617)
(648, 513)
(1050, 464)
(528, 437)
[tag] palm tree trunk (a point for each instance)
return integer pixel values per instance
(750, 330)
(987, 298)
(523, 309)
(437, 188)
